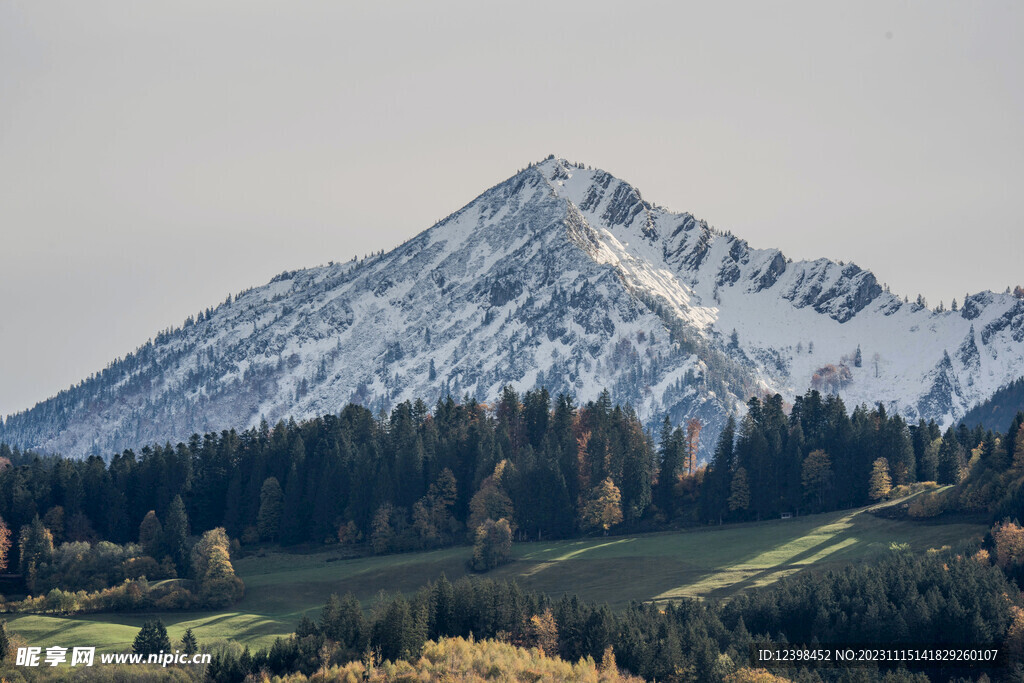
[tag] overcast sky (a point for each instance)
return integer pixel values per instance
(155, 156)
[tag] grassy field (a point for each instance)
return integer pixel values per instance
(708, 562)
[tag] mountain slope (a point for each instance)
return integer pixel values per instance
(998, 410)
(561, 276)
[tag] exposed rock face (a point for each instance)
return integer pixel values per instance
(560, 276)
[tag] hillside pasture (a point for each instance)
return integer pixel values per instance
(710, 562)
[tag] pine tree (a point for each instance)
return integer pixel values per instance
(152, 639)
(35, 547)
(381, 533)
(176, 533)
(858, 359)
(671, 462)
(189, 644)
(268, 519)
(151, 534)
(739, 491)
(816, 477)
(718, 479)
(5, 642)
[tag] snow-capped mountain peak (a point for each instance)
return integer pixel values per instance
(561, 276)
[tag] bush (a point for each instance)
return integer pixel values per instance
(930, 504)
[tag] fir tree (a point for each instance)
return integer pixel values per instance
(152, 639)
(189, 644)
(35, 547)
(739, 491)
(151, 534)
(268, 519)
(718, 478)
(816, 477)
(671, 463)
(176, 533)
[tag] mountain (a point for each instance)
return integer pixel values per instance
(562, 276)
(998, 410)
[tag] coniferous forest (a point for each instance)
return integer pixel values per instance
(528, 467)
(421, 478)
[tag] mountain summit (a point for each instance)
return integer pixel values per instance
(563, 277)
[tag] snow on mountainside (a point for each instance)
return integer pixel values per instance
(563, 277)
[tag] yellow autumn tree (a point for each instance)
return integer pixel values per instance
(542, 633)
(881, 482)
(1009, 538)
(604, 509)
(211, 568)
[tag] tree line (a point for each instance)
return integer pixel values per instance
(419, 478)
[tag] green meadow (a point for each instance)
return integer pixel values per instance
(711, 562)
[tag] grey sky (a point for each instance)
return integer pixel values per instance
(155, 156)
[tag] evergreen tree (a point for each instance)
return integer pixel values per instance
(382, 533)
(176, 533)
(671, 463)
(151, 534)
(739, 491)
(35, 547)
(152, 639)
(268, 519)
(718, 479)
(294, 515)
(816, 477)
(5, 642)
(189, 644)
(343, 622)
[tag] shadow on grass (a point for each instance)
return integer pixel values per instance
(715, 562)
